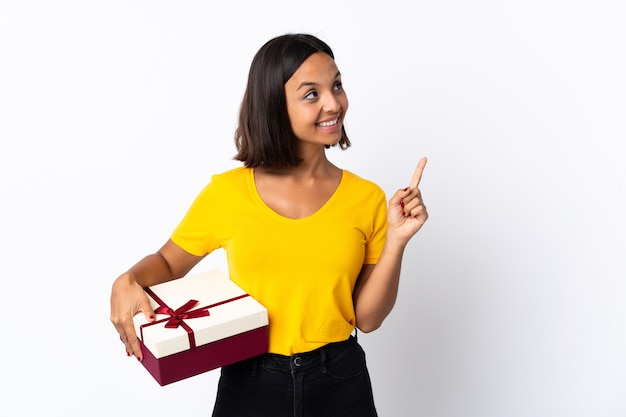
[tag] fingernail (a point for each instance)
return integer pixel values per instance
(152, 317)
(406, 189)
(403, 213)
(402, 204)
(127, 353)
(139, 358)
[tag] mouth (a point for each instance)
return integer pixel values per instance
(329, 122)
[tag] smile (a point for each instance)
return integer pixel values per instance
(329, 123)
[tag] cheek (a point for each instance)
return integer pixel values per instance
(297, 115)
(344, 103)
(296, 122)
(302, 118)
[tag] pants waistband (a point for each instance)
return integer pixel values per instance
(301, 361)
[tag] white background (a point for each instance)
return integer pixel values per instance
(114, 114)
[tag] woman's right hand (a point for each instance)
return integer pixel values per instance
(127, 299)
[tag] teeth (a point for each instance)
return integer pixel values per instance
(331, 123)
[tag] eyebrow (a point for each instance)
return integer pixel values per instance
(310, 83)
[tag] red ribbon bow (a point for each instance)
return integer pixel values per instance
(181, 313)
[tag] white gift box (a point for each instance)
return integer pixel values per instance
(203, 321)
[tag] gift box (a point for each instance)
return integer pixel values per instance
(203, 321)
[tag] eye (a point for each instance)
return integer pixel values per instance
(310, 95)
(338, 86)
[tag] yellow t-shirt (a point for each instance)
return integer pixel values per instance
(302, 270)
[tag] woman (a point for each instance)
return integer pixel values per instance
(318, 246)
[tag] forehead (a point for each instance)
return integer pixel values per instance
(317, 68)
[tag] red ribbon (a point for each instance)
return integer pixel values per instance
(182, 313)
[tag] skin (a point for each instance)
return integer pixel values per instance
(315, 97)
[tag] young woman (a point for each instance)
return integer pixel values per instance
(318, 246)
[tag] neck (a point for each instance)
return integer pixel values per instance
(314, 164)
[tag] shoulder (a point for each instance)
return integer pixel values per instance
(234, 174)
(355, 181)
(362, 192)
(237, 176)
(227, 182)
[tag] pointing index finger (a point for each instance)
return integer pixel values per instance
(417, 175)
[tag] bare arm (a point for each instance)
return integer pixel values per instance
(376, 289)
(127, 295)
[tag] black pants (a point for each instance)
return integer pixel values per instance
(330, 381)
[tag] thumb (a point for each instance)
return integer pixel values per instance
(148, 312)
(396, 202)
(399, 195)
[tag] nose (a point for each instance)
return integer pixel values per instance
(331, 103)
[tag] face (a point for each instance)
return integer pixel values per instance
(316, 101)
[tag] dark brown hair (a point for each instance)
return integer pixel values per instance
(264, 136)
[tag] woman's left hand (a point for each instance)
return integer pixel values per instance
(407, 212)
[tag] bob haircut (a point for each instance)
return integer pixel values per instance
(264, 136)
